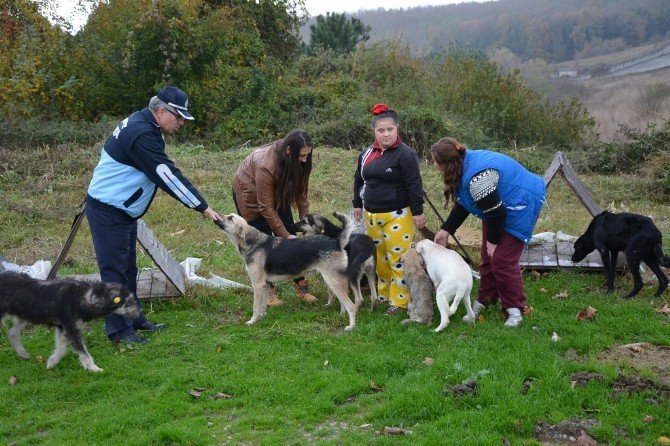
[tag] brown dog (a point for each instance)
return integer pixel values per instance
(420, 305)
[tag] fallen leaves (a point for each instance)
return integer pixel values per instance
(664, 310)
(663, 440)
(390, 430)
(376, 388)
(195, 393)
(428, 361)
(648, 419)
(587, 313)
(198, 391)
(562, 295)
(555, 337)
(13, 380)
(585, 440)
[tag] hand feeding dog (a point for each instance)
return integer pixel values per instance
(420, 305)
(451, 277)
(63, 303)
(635, 235)
(361, 252)
(272, 259)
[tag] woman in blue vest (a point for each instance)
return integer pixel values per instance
(508, 199)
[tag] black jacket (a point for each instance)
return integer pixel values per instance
(390, 182)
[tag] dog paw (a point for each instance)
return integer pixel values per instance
(23, 355)
(348, 328)
(439, 329)
(51, 363)
(94, 368)
(469, 319)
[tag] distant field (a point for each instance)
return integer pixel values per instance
(612, 58)
(633, 100)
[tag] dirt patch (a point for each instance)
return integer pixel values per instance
(641, 356)
(625, 385)
(564, 433)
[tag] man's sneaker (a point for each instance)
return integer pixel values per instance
(131, 338)
(273, 298)
(302, 290)
(477, 307)
(514, 317)
(149, 326)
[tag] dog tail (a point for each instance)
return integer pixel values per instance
(347, 229)
(662, 258)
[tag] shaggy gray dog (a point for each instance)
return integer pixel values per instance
(63, 303)
(420, 305)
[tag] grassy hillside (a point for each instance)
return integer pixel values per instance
(295, 377)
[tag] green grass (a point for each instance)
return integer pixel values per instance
(295, 377)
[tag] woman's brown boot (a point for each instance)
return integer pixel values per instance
(273, 298)
(302, 290)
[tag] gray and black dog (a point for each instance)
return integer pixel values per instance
(361, 252)
(63, 303)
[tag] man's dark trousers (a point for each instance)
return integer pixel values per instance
(114, 235)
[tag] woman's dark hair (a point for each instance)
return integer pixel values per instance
(293, 175)
(449, 154)
(382, 111)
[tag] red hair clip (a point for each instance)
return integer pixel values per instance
(379, 108)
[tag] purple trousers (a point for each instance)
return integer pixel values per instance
(501, 274)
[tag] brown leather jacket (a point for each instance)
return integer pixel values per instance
(254, 186)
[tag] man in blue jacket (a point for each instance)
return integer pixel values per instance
(132, 165)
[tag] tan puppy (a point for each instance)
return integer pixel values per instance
(420, 306)
(451, 277)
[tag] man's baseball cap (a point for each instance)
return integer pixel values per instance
(177, 99)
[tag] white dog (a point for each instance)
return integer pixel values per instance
(451, 277)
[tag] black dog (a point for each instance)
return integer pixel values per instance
(636, 236)
(361, 253)
(63, 303)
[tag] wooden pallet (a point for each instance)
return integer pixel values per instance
(554, 255)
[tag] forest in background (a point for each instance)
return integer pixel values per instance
(554, 31)
(250, 81)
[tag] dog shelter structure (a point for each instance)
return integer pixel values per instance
(557, 254)
(168, 280)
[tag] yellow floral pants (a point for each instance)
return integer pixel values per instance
(392, 233)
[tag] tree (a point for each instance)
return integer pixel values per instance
(337, 32)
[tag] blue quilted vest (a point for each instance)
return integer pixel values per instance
(522, 192)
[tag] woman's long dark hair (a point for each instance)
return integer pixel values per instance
(293, 175)
(449, 154)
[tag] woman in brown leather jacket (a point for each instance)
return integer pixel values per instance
(267, 183)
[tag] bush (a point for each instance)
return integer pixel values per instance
(657, 167)
(37, 132)
(632, 149)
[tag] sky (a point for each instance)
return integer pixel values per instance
(66, 8)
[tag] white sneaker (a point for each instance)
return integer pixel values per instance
(477, 307)
(514, 318)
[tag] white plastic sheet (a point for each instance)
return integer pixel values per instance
(38, 270)
(191, 265)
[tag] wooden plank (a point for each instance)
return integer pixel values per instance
(554, 255)
(553, 169)
(161, 256)
(578, 187)
(76, 223)
(150, 283)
